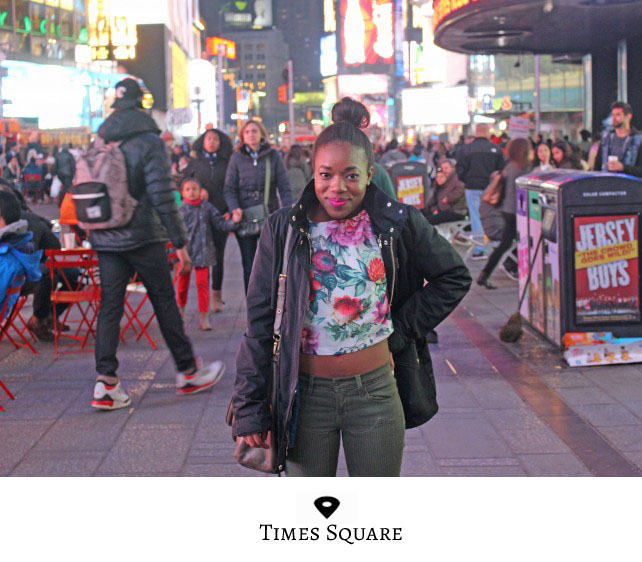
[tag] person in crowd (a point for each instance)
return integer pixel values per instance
(392, 154)
(213, 150)
(447, 201)
(11, 172)
(202, 220)
(621, 147)
(139, 247)
(245, 184)
(478, 160)
(381, 178)
(543, 159)
(595, 147)
(65, 169)
(356, 307)
(31, 180)
(418, 154)
(564, 157)
(17, 255)
(585, 144)
(299, 170)
(520, 154)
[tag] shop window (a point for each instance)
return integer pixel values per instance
(80, 22)
(6, 14)
(38, 19)
(51, 17)
(23, 19)
(66, 24)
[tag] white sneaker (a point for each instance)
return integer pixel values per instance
(202, 379)
(108, 397)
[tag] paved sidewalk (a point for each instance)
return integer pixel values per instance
(505, 410)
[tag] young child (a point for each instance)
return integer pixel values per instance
(201, 219)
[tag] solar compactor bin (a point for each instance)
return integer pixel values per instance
(580, 231)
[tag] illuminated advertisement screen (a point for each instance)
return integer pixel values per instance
(329, 55)
(247, 14)
(435, 106)
(607, 286)
(180, 77)
(367, 32)
(443, 8)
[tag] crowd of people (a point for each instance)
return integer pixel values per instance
(356, 314)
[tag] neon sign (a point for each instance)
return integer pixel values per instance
(443, 8)
(329, 16)
(212, 45)
(111, 35)
(367, 32)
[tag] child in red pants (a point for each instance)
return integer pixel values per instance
(201, 219)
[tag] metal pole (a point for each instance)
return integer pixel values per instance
(538, 105)
(291, 100)
(221, 99)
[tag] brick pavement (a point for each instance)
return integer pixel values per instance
(505, 410)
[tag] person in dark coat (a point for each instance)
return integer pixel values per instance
(357, 307)
(213, 151)
(447, 202)
(202, 220)
(140, 247)
(65, 169)
(245, 184)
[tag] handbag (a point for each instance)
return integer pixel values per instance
(494, 193)
(267, 460)
(56, 186)
(254, 216)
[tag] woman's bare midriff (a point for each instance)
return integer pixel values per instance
(347, 365)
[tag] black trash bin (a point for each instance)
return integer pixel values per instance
(584, 289)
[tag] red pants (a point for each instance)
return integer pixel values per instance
(202, 287)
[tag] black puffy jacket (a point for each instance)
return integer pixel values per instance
(245, 180)
(477, 161)
(413, 252)
(156, 216)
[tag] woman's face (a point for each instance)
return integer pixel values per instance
(447, 168)
(543, 153)
(252, 135)
(441, 177)
(211, 142)
(341, 175)
(558, 154)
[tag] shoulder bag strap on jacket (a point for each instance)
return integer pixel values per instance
(280, 299)
(268, 180)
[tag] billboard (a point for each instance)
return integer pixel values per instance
(247, 14)
(607, 285)
(329, 55)
(435, 106)
(212, 45)
(367, 32)
(112, 35)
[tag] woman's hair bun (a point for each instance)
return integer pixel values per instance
(351, 111)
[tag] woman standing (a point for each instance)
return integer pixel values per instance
(520, 154)
(213, 150)
(245, 184)
(356, 308)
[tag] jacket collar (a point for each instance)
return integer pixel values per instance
(388, 217)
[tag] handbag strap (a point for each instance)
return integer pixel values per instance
(280, 299)
(268, 181)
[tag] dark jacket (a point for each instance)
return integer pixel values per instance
(245, 180)
(477, 161)
(453, 190)
(210, 174)
(632, 160)
(43, 237)
(150, 182)
(200, 223)
(412, 252)
(65, 166)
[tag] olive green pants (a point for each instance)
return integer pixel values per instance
(364, 411)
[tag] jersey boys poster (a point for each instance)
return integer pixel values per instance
(607, 284)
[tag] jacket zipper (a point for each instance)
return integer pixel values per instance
(394, 264)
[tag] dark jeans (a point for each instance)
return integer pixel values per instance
(443, 217)
(220, 239)
(248, 247)
(42, 291)
(116, 269)
(508, 237)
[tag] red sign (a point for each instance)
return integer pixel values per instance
(607, 286)
(212, 45)
(410, 190)
(443, 8)
(367, 32)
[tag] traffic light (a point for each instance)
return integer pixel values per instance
(283, 93)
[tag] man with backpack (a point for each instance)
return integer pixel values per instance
(124, 198)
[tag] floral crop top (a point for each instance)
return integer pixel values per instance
(349, 308)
